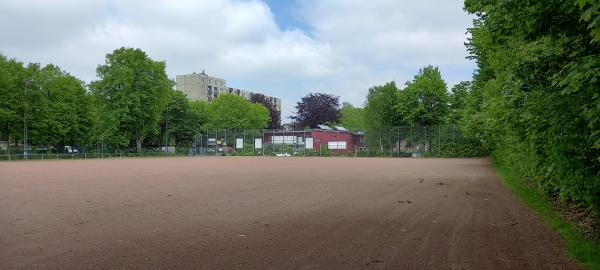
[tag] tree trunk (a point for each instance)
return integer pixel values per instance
(138, 142)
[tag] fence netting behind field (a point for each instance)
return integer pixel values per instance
(402, 141)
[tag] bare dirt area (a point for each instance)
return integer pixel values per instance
(267, 213)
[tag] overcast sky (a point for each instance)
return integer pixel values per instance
(281, 48)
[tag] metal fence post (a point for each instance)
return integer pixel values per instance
(453, 127)
(398, 142)
(439, 141)
(304, 136)
(426, 141)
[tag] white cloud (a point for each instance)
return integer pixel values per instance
(349, 46)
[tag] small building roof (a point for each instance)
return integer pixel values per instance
(324, 127)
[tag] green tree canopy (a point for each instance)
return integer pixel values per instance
(198, 115)
(458, 98)
(380, 107)
(352, 117)
(175, 120)
(62, 112)
(233, 111)
(53, 104)
(424, 101)
(132, 90)
(11, 90)
(274, 114)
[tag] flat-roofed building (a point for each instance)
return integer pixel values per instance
(199, 86)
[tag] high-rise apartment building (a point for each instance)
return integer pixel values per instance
(203, 87)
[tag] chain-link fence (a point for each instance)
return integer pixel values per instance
(403, 141)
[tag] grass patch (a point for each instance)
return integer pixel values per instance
(577, 245)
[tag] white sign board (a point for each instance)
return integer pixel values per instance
(283, 140)
(336, 145)
(309, 143)
(258, 143)
(239, 143)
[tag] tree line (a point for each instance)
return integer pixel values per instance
(535, 97)
(424, 100)
(132, 103)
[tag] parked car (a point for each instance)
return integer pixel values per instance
(71, 149)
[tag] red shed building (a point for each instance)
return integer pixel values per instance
(336, 139)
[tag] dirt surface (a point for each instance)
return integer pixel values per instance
(267, 213)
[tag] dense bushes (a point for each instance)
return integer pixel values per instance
(535, 98)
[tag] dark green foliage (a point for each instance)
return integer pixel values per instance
(467, 148)
(132, 92)
(274, 114)
(54, 105)
(232, 111)
(325, 152)
(424, 101)
(380, 107)
(535, 98)
(181, 119)
(433, 141)
(458, 99)
(12, 82)
(352, 117)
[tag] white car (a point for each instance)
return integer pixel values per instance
(283, 155)
(71, 149)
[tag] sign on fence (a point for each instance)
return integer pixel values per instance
(337, 145)
(239, 143)
(309, 143)
(290, 140)
(258, 143)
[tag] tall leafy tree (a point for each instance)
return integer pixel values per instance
(274, 114)
(380, 107)
(315, 109)
(235, 112)
(132, 90)
(63, 114)
(352, 117)
(458, 98)
(175, 120)
(52, 104)
(181, 120)
(12, 75)
(424, 101)
(198, 115)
